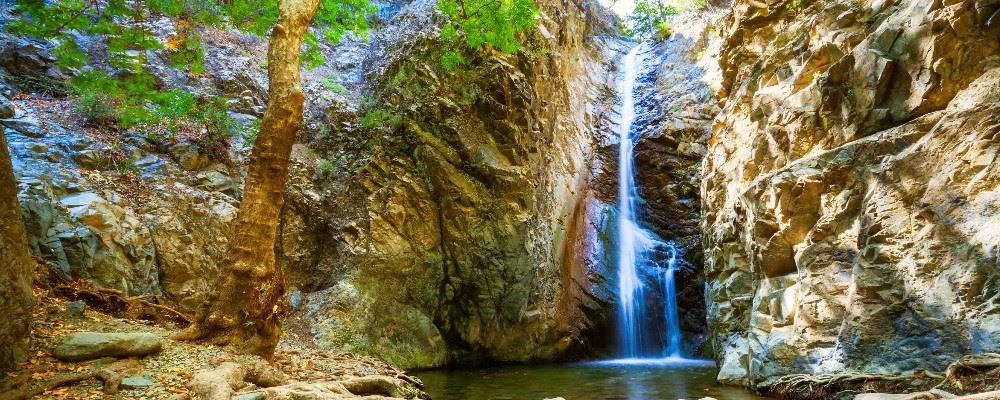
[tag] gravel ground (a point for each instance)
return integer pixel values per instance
(171, 369)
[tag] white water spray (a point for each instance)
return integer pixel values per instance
(635, 244)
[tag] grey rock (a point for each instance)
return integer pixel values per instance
(249, 396)
(90, 159)
(90, 345)
(6, 108)
(138, 382)
(295, 299)
(38, 147)
(29, 58)
(76, 308)
(26, 125)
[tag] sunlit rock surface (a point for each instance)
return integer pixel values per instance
(465, 232)
(851, 186)
(454, 235)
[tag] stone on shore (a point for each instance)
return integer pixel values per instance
(90, 345)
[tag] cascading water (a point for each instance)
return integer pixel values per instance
(637, 246)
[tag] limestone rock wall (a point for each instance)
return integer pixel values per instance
(450, 230)
(851, 187)
(460, 228)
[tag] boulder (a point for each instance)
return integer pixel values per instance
(90, 345)
(6, 107)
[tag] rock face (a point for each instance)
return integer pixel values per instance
(90, 345)
(432, 216)
(451, 238)
(851, 188)
(675, 112)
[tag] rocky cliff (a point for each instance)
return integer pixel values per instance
(851, 187)
(676, 107)
(433, 216)
(449, 220)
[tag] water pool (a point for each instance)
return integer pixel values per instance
(646, 379)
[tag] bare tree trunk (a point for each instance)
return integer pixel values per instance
(15, 269)
(248, 307)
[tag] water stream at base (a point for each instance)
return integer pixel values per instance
(637, 246)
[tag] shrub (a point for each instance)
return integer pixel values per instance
(381, 118)
(332, 85)
(645, 20)
(663, 30)
(98, 109)
(325, 168)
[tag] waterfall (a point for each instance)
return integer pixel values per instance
(637, 246)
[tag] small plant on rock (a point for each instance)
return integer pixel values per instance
(663, 30)
(98, 110)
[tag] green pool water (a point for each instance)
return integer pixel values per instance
(664, 379)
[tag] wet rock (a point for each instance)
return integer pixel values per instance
(90, 345)
(26, 125)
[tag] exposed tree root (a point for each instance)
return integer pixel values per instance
(110, 375)
(972, 365)
(230, 378)
(221, 383)
(804, 386)
(115, 302)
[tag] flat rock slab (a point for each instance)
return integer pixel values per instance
(138, 382)
(90, 345)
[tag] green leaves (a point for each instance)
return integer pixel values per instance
(649, 17)
(484, 23)
(131, 97)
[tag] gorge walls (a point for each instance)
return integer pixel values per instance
(851, 187)
(432, 216)
(452, 233)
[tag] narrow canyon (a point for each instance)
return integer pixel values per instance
(575, 199)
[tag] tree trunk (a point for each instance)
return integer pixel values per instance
(15, 269)
(248, 308)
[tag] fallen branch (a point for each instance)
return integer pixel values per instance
(115, 302)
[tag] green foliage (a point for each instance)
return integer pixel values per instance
(332, 85)
(484, 24)
(131, 97)
(250, 132)
(98, 109)
(325, 168)
(381, 118)
(648, 16)
(137, 102)
(663, 30)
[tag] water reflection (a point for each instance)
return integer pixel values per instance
(629, 379)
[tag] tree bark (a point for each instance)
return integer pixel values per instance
(248, 308)
(15, 268)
